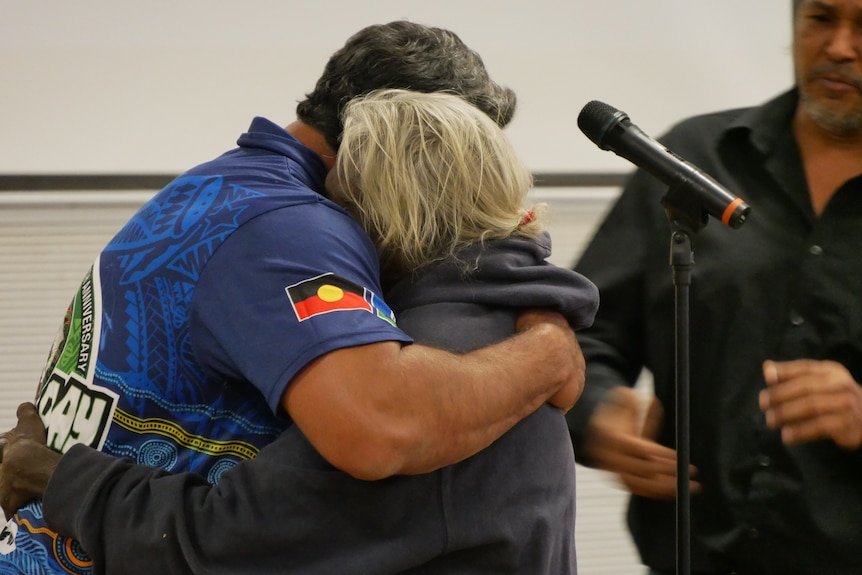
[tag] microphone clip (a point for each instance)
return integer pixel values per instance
(684, 208)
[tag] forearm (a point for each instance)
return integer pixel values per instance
(474, 399)
(129, 518)
(413, 409)
(137, 520)
(267, 516)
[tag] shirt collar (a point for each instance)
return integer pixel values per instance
(264, 134)
(766, 125)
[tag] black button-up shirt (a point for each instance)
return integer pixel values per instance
(786, 285)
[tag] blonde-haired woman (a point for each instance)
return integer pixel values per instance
(427, 175)
(441, 191)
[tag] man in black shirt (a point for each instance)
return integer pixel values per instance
(776, 330)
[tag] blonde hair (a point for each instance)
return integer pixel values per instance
(427, 174)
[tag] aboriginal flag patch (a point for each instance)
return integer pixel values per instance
(327, 293)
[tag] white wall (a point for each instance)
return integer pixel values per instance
(155, 86)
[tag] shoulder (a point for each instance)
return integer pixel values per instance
(314, 233)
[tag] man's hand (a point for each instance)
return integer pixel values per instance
(571, 391)
(26, 463)
(616, 441)
(810, 400)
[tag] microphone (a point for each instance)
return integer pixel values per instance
(611, 129)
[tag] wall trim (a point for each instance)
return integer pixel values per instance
(94, 182)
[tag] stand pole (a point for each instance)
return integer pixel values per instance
(682, 261)
(687, 216)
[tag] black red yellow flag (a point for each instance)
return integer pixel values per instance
(326, 293)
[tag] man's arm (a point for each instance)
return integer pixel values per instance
(384, 409)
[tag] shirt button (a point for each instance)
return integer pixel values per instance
(753, 533)
(764, 461)
(796, 319)
(815, 250)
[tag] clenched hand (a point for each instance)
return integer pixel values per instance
(26, 463)
(572, 389)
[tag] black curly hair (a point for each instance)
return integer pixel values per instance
(404, 55)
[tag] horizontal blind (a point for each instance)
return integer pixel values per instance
(48, 240)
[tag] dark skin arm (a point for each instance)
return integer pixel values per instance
(26, 463)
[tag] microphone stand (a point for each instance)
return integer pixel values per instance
(687, 216)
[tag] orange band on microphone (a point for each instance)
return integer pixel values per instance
(725, 217)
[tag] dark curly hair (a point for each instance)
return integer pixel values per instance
(403, 55)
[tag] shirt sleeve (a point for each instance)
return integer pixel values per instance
(285, 288)
(269, 516)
